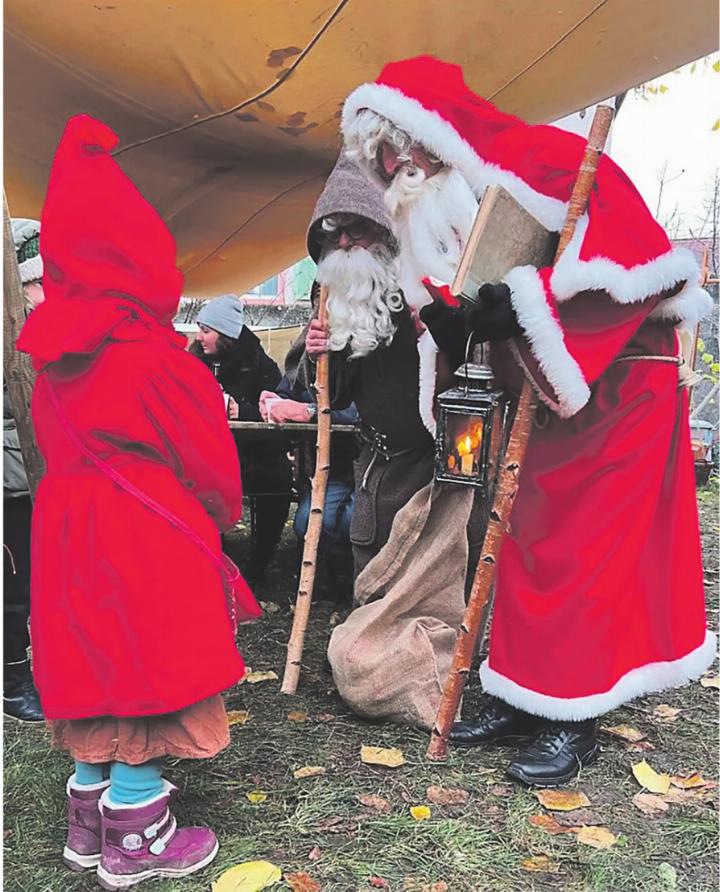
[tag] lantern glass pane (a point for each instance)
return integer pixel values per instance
(463, 442)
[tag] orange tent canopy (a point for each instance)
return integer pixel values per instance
(228, 111)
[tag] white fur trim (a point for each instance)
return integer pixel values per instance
(688, 307)
(442, 140)
(635, 683)
(72, 784)
(547, 343)
(427, 353)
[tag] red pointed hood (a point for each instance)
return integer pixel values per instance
(109, 260)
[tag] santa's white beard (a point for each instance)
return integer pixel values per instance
(432, 219)
(358, 281)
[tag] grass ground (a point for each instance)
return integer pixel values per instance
(479, 846)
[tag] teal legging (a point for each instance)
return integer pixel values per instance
(129, 784)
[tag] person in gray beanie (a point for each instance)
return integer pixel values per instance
(20, 698)
(242, 368)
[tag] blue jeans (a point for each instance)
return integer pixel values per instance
(336, 516)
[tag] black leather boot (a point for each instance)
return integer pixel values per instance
(497, 723)
(20, 699)
(557, 754)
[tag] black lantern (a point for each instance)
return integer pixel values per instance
(471, 429)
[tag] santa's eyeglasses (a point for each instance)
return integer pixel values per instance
(356, 230)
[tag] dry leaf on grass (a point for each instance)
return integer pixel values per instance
(238, 716)
(270, 606)
(302, 882)
(687, 783)
(540, 864)
(447, 796)
(255, 677)
(647, 777)
(256, 797)
(710, 681)
(665, 713)
(412, 884)
(420, 812)
(597, 837)
(378, 755)
(624, 732)
(325, 717)
(697, 796)
(501, 790)
(650, 804)
(562, 800)
(251, 876)
(547, 823)
(315, 854)
(371, 800)
(298, 715)
(309, 771)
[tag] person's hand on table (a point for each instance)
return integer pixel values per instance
(233, 410)
(265, 396)
(288, 410)
(316, 340)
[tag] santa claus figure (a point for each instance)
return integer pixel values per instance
(599, 589)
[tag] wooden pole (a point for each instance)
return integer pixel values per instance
(19, 373)
(317, 508)
(509, 474)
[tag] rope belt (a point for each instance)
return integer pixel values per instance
(675, 360)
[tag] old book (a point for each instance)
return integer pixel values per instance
(504, 235)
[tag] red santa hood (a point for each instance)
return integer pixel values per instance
(618, 246)
(109, 260)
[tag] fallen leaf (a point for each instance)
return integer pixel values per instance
(250, 876)
(597, 837)
(650, 804)
(501, 790)
(413, 884)
(624, 732)
(647, 777)
(302, 882)
(378, 883)
(270, 606)
(315, 854)
(378, 755)
(238, 716)
(309, 771)
(298, 715)
(420, 812)
(539, 864)
(256, 797)
(666, 713)
(677, 796)
(562, 800)
(325, 717)
(447, 796)
(687, 783)
(547, 823)
(255, 677)
(371, 800)
(712, 681)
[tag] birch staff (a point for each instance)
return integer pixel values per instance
(317, 508)
(509, 475)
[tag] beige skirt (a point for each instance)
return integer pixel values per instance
(199, 731)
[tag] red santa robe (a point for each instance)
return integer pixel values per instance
(599, 589)
(129, 613)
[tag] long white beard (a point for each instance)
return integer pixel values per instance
(358, 281)
(432, 220)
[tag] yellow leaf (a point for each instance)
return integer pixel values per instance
(714, 680)
(250, 876)
(298, 715)
(540, 864)
(666, 713)
(624, 732)
(662, 88)
(255, 677)
(716, 125)
(649, 778)
(256, 796)
(309, 771)
(562, 800)
(650, 804)
(716, 67)
(238, 716)
(378, 755)
(687, 783)
(420, 812)
(597, 837)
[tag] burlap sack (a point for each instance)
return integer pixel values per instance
(391, 657)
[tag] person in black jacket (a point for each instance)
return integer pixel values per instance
(242, 368)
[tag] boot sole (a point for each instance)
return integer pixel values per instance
(114, 881)
(556, 781)
(76, 861)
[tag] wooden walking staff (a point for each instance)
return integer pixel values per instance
(317, 508)
(509, 474)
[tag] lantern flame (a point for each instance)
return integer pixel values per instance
(464, 446)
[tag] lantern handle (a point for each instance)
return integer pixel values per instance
(467, 359)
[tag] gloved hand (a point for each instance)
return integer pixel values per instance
(448, 329)
(493, 317)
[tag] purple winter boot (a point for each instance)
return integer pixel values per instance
(143, 841)
(82, 849)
